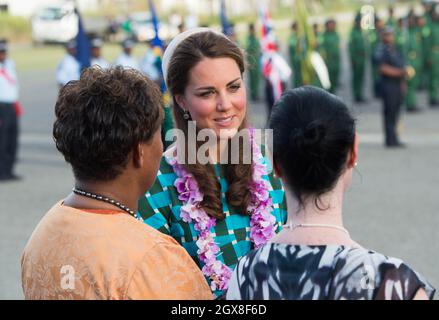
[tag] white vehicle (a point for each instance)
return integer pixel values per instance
(57, 23)
(143, 28)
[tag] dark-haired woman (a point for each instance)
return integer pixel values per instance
(217, 210)
(91, 245)
(314, 257)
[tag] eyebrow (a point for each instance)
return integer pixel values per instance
(213, 88)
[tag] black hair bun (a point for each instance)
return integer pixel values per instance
(311, 137)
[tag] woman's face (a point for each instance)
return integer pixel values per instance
(215, 96)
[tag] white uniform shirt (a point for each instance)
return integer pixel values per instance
(100, 62)
(8, 82)
(127, 61)
(148, 67)
(68, 69)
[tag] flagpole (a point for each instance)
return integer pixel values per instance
(83, 54)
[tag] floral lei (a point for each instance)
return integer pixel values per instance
(260, 208)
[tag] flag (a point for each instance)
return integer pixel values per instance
(269, 48)
(156, 42)
(313, 68)
(82, 43)
(268, 38)
(224, 21)
(157, 45)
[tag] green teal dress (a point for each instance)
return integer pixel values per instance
(160, 208)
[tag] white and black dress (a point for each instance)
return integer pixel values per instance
(296, 272)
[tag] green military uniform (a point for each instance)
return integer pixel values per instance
(434, 62)
(331, 55)
(425, 35)
(254, 56)
(357, 52)
(401, 41)
(414, 59)
(391, 22)
(313, 77)
(295, 54)
(319, 42)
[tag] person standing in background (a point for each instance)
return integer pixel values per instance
(391, 21)
(425, 31)
(374, 40)
(295, 53)
(69, 67)
(148, 64)
(414, 61)
(253, 57)
(392, 70)
(357, 53)
(96, 54)
(401, 36)
(318, 37)
(434, 59)
(126, 59)
(331, 53)
(8, 115)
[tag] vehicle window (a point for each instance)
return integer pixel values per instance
(52, 14)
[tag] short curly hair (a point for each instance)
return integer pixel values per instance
(102, 117)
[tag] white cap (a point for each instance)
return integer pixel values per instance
(128, 43)
(96, 43)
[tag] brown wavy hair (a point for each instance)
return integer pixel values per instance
(188, 54)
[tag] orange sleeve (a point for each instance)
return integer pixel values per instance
(167, 272)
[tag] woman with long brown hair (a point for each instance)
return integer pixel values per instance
(220, 208)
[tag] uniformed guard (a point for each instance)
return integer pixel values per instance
(434, 59)
(414, 61)
(393, 72)
(96, 54)
(69, 68)
(148, 64)
(318, 37)
(401, 35)
(424, 30)
(295, 55)
(126, 59)
(374, 39)
(254, 56)
(8, 114)
(331, 53)
(391, 21)
(357, 53)
(428, 6)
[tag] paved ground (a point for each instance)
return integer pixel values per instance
(391, 207)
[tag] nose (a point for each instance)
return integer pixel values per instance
(223, 103)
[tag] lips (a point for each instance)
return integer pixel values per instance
(224, 121)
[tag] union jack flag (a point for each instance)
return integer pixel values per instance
(274, 67)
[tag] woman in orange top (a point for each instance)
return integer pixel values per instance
(90, 245)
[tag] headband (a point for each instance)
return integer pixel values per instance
(169, 52)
